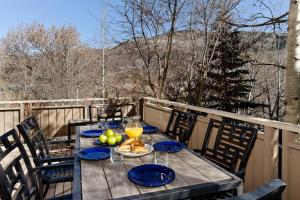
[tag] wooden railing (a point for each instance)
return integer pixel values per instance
(52, 115)
(276, 153)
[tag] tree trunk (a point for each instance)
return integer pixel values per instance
(292, 114)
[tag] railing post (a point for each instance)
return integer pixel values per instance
(141, 108)
(85, 109)
(271, 136)
(22, 112)
(287, 173)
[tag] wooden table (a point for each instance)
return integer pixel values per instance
(107, 180)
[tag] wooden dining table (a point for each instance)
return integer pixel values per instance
(104, 179)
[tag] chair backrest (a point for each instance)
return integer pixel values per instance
(34, 138)
(269, 191)
(232, 145)
(17, 177)
(183, 125)
(106, 112)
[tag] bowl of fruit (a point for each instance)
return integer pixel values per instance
(109, 138)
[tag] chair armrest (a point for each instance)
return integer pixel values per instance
(57, 159)
(53, 141)
(56, 166)
(271, 190)
(240, 173)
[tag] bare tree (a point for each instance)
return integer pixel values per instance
(152, 25)
(42, 63)
(293, 66)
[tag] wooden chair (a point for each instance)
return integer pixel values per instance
(183, 125)
(53, 169)
(231, 147)
(18, 179)
(109, 112)
(269, 191)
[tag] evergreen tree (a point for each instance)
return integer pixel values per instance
(227, 77)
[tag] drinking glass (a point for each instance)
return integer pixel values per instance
(147, 139)
(103, 125)
(115, 156)
(125, 121)
(136, 118)
(161, 158)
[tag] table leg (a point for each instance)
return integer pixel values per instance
(240, 189)
(69, 133)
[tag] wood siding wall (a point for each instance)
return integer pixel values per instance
(54, 120)
(9, 118)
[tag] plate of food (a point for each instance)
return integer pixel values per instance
(134, 148)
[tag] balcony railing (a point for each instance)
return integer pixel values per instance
(275, 154)
(52, 115)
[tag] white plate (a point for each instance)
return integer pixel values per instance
(130, 154)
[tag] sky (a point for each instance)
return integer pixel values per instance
(85, 15)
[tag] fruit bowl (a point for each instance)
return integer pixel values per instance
(98, 143)
(109, 138)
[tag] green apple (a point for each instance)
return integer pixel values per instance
(118, 137)
(103, 138)
(112, 140)
(109, 133)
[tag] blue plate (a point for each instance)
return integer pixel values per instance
(149, 129)
(168, 146)
(114, 124)
(97, 142)
(91, 133)
(94, 153)
(151, 175)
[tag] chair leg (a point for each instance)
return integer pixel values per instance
(46, 190)
(69, 133)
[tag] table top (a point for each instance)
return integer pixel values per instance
(194, 175)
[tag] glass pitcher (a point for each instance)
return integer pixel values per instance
(134, 127)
